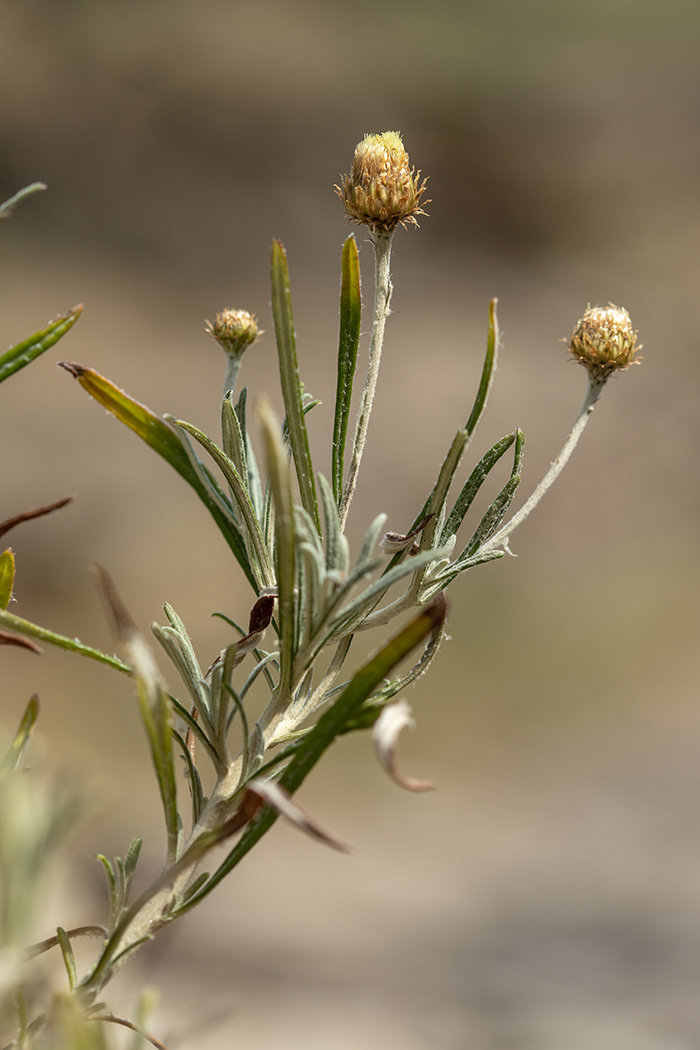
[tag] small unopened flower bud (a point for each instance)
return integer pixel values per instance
(234, 330)
(604, 341)
(382, 188)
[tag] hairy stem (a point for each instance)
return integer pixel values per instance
(595, 387)
(382, 298)
(233, 367)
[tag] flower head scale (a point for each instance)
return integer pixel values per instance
(382, 189)
(234, 331)
(604, 341)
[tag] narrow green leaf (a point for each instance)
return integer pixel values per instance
(114, 901)
(337, 552)
(255, 485)
(7, 207)
(32, 630)
(183, 659)
(260, 667)
(442, 487)
(482, 394)
(368, 599)
(20, 355)
(155, 714)
(233, 440)
(289, 380)
(154, 704)
(194, 888)
(164, 440)
(239, 490)
(497, 511)
(196, 728)
(281, 486)
(309, 749)
(473, 484)
(348, 343)
(7, 577)
(445, 578)
(491, 519)
(150, 428)
(488, 370)
(245, 730)
(130, 863)
(68, 957)
(18, 746)
(126, 951)
(195, 783)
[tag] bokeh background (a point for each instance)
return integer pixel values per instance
(547, 896)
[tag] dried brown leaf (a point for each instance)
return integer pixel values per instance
(385, 737)
(287, 807)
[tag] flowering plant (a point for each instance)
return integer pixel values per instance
(285, 526)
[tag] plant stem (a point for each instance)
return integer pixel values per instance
(382, 298)
(595, 387)
(233, 367)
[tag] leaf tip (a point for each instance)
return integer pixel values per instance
(124, 626)
(70, 366)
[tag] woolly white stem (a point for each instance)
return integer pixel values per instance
(382, 297)
(499, 538)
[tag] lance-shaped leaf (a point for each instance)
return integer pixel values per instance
(311, 747)
(281, 487)
(233, 439)
(348, 343)
(497, 511)
(7, 577)
(164, 440)
(473, 484)
(255, 485)
(22, 737)
(337, 550)
(23, 353)
(289, 381)
(240, 493)
(154, 704)
(112, 889)
(442, 487)
(68, 957)
(488, 371)
(485, 383)
(385, 737)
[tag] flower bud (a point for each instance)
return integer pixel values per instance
(604, 341)
(234, 330)
(382, 188)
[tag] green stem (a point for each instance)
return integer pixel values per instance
(382, 298)
(500, 538)
(16, 623)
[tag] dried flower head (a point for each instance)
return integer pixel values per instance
(604, 340)
(234, 330)
(382, 188)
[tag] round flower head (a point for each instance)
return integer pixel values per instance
(382, 188)
(604, 341)
(234, 330)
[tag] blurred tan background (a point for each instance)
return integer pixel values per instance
(547, 897)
